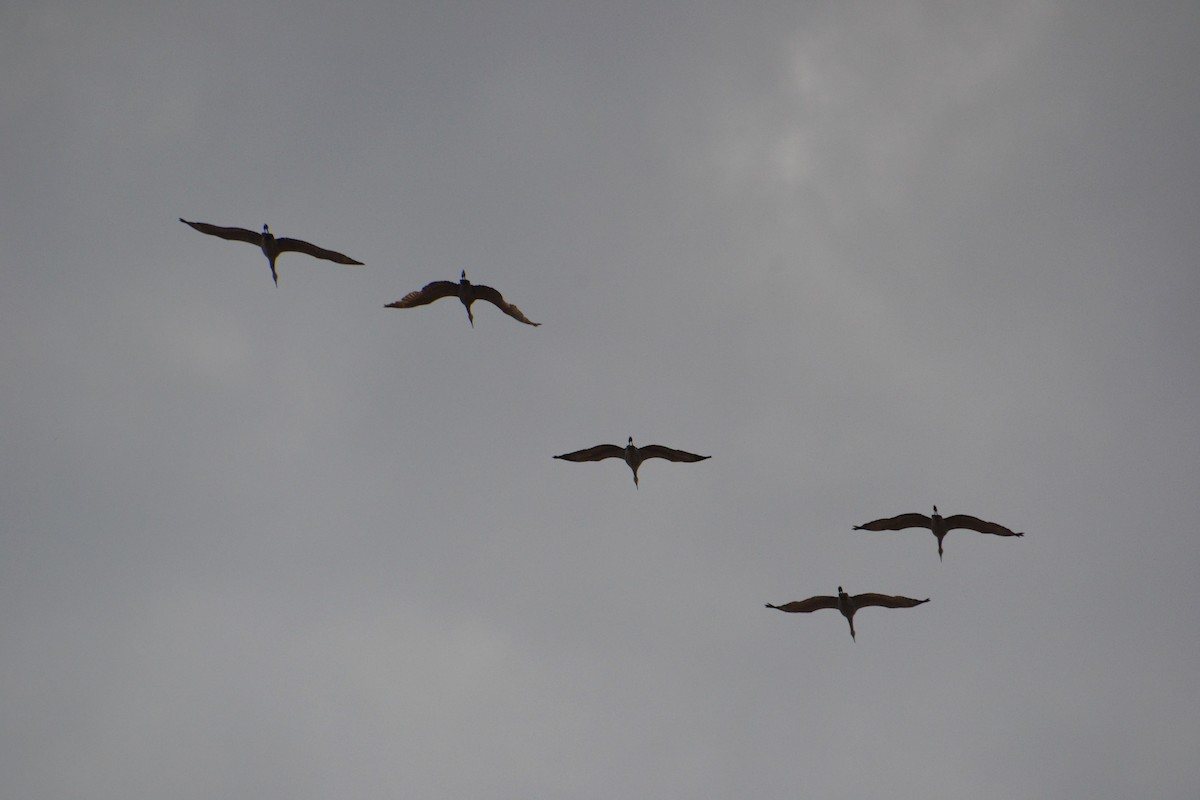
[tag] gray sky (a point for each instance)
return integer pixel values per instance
(287, 543)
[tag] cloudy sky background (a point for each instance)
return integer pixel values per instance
(285, 543)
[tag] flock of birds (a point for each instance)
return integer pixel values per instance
(633, 455)
(272, 248)
(937, 524)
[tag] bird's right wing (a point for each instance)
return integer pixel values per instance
(977, 524)
(432, 291)
(287, 244)
(494, 297)
(234, 234)
(897, 523)
(658, 451)
(885, 600)
(597, 453)
(805, 606)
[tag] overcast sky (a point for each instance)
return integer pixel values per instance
(262, 542)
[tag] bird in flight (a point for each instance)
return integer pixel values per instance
(633, 455)
(848, 604)
(467, 292)
(938, 524)
(272, 247)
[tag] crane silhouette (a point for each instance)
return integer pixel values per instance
(467, 292)
(272, 247)
(938, 524)
(848, 604)
(632, 454)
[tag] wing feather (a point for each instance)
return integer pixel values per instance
(897, 523)
(811, 604)
(286, 244)
(233, 234)
(658, 451)
(977, 524)
(597, 453)
(431, 291)
(495, 298)
(885, 600)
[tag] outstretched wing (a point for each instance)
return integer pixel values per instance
(298, 246)
(597, 453)
(658, 451)
(495, 298)
(805, 606)
(977, 524)
(897, 523)
(432, 291)
(234, 234)
(885, 600)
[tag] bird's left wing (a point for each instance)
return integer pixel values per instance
(494, 297)
(597, 453)
(977, 524)
(658, 451)
(805, 606)
(897, 523)
(885, 600)
(431, 291)
(299, 246)
(234, 234)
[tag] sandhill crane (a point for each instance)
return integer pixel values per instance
(467, 292)
(938, 524)
(848, 604)
(272, 247)
(633, 455)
